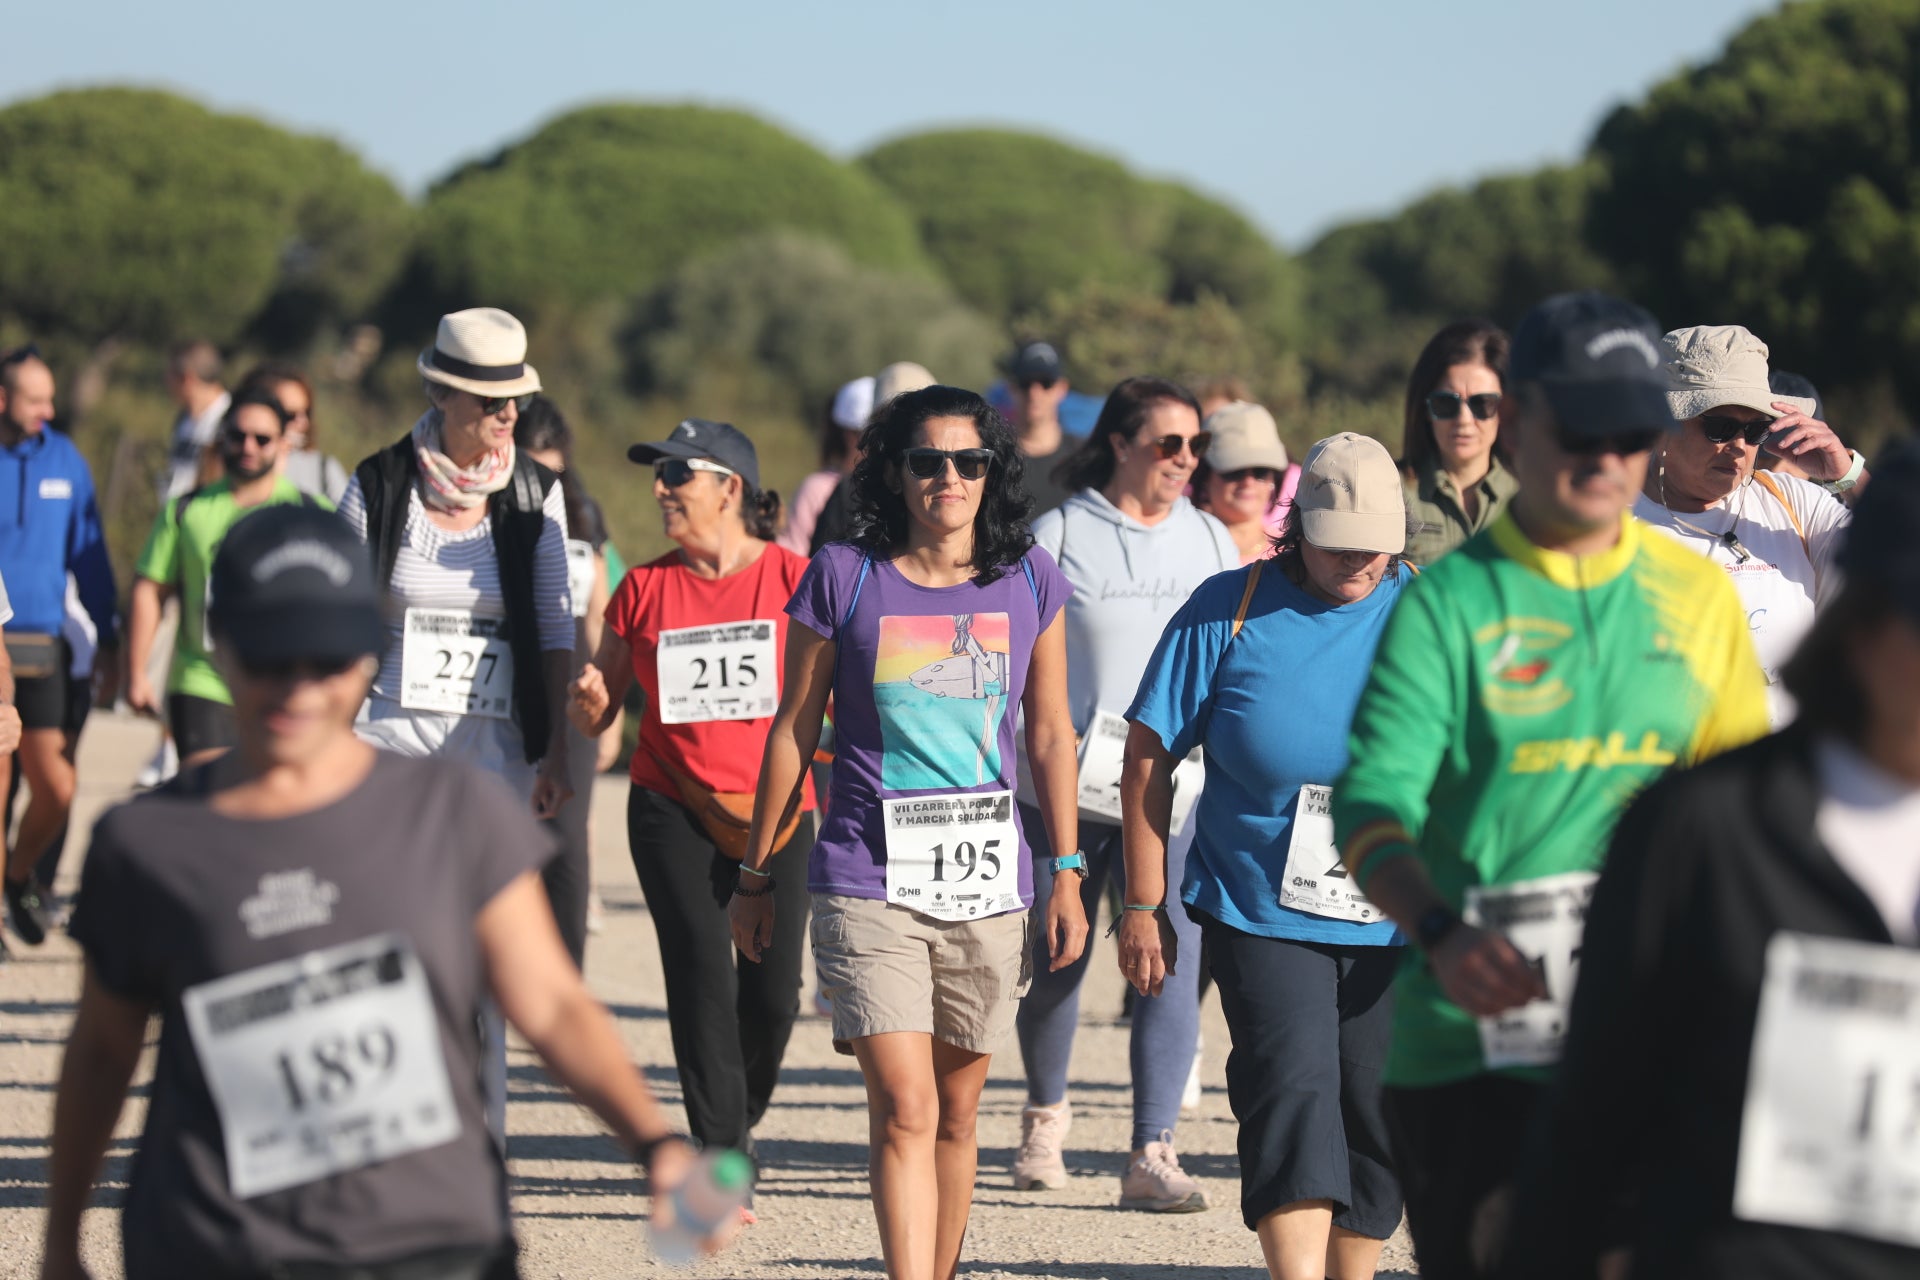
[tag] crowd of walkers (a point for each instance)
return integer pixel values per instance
(1543, 804)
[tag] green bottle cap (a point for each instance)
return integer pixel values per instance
(732, 1171)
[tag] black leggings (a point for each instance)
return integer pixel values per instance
(730, 1017)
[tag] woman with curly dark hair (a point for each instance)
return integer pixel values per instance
(926, 630)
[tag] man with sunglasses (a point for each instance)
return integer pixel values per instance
(49, 529)
(1037, 386)
(179, 560)
(1527, 686)
(1776, 535)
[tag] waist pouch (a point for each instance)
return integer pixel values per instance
(34, 654)
(727, 816)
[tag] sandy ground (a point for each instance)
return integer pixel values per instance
(576, 1201)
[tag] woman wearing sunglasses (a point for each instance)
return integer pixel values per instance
(1133, 548)
(317, 924)
(701, 630)
(1246, 481)
(928, 631)
(1775, 534)
(1454, 479)
(469, 540)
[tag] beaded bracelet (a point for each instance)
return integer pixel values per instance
(761, 892)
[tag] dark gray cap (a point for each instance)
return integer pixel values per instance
(294, 584)
(1599, 361)
(720, 442)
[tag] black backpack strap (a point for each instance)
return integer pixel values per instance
(384, 480)
(518, 516)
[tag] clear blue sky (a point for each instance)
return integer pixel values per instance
(1301, 115)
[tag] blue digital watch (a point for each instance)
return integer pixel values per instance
(1071, 862)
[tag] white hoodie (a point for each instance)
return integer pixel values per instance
(1129, 579)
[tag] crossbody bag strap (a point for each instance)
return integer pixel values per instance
(1246, 599)
(1772, 486)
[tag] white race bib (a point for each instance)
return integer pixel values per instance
(1316, 880)
(452, 661)
(1545, 919)
(724, 672)
(1830, 1137)
(319, 1064)
(1189, 776)
(954, 857)
(579, 575)
(1103, 751)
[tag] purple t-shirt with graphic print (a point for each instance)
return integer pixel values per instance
(926, 695)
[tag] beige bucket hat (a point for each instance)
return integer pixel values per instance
(1711, 365)
(897, 379)
(482, 350)
(1350, 497)
(1244, 435)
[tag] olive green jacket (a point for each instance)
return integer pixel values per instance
(1437, 519)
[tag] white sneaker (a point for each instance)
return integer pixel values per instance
(1154, 1181)
(1040, 1164)
(1190, 1096)
(165, 763)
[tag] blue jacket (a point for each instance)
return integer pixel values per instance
(50, 524)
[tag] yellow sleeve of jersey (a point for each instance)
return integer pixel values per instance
(1702, 612)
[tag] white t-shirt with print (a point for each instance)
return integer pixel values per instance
(1789, 572)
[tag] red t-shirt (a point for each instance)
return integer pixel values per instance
(664, 595)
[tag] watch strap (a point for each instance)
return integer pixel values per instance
(1433, 926)
(1070, 862)
(1850, 479)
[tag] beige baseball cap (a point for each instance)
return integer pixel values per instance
(1714, 364)
(1244, 435)
(897, 379)
(1350, 497)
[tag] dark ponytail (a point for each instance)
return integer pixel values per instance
(760, 510)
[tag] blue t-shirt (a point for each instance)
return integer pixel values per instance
(1271, 707)
(926, 690)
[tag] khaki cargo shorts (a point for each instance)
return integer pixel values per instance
(886, 968)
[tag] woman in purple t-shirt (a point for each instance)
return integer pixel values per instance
(928, 630)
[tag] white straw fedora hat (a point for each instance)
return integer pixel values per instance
(1711, 365)
(482, 350)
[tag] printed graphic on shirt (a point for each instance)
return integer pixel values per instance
(288, 900)
(940, 687)
(1523, 678)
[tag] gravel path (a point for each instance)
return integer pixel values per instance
(576, 1201)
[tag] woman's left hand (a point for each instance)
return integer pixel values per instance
(1143, 960)
(551, 788)
(1810, 443)
(1066, 923)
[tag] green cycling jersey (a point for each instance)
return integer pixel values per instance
(1519, 698)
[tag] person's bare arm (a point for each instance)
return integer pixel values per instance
(143, 624)
(102, 1051)
(553, 786)
(9, 714)
(1056, 781)
(807, 683)
(1146, 820)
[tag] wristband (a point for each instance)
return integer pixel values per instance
(1849, 480)
(764, 875)
(1071, 862)
(1434, 925)
(1144, 906)
(644, 1149)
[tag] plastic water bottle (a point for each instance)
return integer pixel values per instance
(711, 1198)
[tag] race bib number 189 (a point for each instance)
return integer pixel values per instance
(322, 1063)
(1546, 920)
(1830, 1137)
(953, 857)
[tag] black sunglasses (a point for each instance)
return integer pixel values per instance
(1445, 405)
(674, 472)
(1721, 429)
(1170, 446)
(237, 437)
(929, 464)
(1265, 474)
(490, 405)
(1624, 443)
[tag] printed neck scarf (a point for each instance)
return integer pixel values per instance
(446, 487)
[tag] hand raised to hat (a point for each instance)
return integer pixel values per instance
(1804, 439)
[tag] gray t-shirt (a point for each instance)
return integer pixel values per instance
(174, 896)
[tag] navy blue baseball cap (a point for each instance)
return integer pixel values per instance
(1599, 362)
(294, 584)
(720, 442)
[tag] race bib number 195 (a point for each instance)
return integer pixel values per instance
(322, 1063)
(1830, 1137)
(953, 857)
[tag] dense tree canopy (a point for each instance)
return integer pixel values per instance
(141, 216)
(605, 202)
